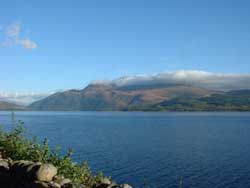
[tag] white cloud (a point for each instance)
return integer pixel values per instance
(23, 98)
(12, 37)
(27, 43)
(216, 81)
(13, 30)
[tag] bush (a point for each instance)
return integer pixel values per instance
(14, 144)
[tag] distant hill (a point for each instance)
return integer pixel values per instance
(10, 106)
(243, 92)
(104, 97)
(237, 100)
(145, 97)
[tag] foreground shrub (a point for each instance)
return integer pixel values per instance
(17, 146)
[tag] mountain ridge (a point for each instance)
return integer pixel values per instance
(4, 105)
(103, 97)
(140, 97)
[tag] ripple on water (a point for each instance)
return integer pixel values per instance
(157, 149)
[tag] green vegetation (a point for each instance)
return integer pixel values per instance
(231, 101)
(14, 144)
(215, 102)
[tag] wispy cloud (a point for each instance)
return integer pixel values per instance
(27, 43)
(13, 37)
(13, 30)
(216, 81)
(23, 98)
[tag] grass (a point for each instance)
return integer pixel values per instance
(17, 146)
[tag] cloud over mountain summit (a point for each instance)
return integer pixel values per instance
(22, 98)
(216, 81)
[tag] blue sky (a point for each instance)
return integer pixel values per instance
(50, 45)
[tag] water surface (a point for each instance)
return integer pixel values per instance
(208, 150)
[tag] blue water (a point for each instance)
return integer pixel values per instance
(208, 150)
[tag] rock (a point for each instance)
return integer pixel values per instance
(106, 181)
(125, 186)
(64, 181)
(24, 166)
(4, 172)
(54, 185)
(46, 172)
(4, 164)
(32, 169)
(14, 163)
(58, 178)
(21, 163)
(67, 185)
(9, 160)
(27, 174)
(113, 185)
(18, 168)
(102, 185)
(38, 184)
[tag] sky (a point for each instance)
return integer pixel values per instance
(46, 46)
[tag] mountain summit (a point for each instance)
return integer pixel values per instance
(109, 96)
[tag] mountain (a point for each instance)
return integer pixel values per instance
(105, 97)
(235, 100)
(142, 96)
(242, 92)
(10, 106)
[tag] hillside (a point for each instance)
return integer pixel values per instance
(10, 106)
(101, 97)
(230, 101)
